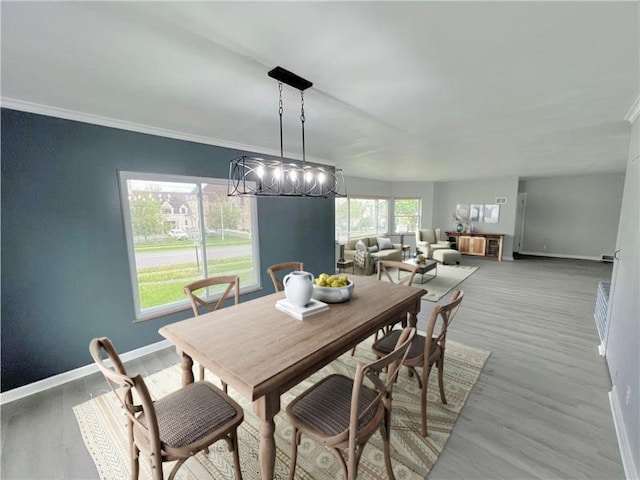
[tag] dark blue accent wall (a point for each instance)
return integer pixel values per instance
(65, 273)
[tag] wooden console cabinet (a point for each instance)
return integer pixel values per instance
(481, 244)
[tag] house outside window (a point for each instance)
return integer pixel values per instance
(406, 214)
(182, 229)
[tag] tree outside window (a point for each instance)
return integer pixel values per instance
(406, 214)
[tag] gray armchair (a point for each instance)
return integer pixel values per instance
(428, 240)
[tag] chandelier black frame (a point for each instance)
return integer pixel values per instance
(255, 176)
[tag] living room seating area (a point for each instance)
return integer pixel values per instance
(367, 251)
(428, 240)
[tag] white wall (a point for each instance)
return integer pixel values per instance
(572, 216)
(449, 194)
(623, 341)
(364, 187)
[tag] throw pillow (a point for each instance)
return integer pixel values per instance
(373, 249)
(384, 243)
(361, 246)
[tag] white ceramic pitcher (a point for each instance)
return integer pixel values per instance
(298, 288)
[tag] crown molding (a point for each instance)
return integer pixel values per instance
(124, 125)
(634, 111)
(140, 128)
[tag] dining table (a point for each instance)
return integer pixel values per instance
(262, 352)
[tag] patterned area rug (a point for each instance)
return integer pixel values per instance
(102, 425)
(448, 277)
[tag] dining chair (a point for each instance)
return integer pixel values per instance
(198, 303)
(278, 269)
(424, 354)
(388, 268)
(343, 413)
(174, 427)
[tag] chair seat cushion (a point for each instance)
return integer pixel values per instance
(327, 405)
(191, 413)
(387, 343)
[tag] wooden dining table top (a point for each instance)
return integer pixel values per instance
(258, 349)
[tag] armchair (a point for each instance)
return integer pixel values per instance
(428, 240)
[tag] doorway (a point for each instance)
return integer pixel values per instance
(518, 237)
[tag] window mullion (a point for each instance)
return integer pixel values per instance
(202, 237)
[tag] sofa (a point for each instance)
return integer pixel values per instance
(428, 240)
(367, 251)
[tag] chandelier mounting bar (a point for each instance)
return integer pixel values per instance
(290, 78)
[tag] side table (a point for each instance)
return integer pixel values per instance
(406, 251)
(344, 264)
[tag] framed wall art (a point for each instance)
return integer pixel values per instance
(491, 213)
(462, 212)
(476, 213)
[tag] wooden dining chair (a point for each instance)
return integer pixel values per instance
(198, 302)
(388, 268)
(424, 354)
(174, 427)
(279, 270)
(343, 413)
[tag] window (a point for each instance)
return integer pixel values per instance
(342, 219)
(181, 229)
(359, 217)
(406, 214)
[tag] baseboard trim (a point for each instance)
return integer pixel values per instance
(556, 255)
(75, 374)
(628, 463)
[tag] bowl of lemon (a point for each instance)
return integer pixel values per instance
(332, 288)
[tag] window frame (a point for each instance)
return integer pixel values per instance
(173, 307)
(418, 216)
(377, 199)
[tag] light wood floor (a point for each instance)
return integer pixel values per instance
(540, 409)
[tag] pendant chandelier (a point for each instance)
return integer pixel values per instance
(254, 176)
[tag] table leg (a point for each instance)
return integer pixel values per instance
(266, 408)
(413, 321)
(413, 314)
(187, 369)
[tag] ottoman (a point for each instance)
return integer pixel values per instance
(447, 255)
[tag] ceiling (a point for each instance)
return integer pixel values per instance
(403, 91)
